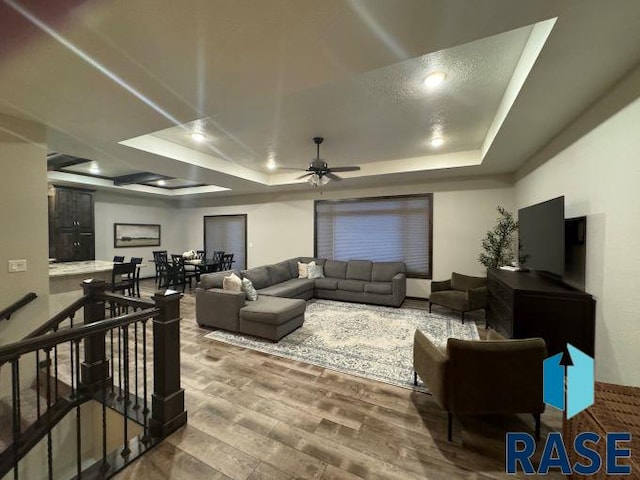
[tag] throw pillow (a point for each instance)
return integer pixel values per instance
(249, 290)
(232, 283)
(303, 269)
(315, 271)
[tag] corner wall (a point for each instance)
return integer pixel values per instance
(24, 221)
(599, 177)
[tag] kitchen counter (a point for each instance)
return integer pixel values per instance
(79, 268)
(65, 281)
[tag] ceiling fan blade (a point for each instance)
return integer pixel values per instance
(345, 169)
(332, 176)
(305, 175)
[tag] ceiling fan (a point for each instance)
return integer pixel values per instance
(319, 172)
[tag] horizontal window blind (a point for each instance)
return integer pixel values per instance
(379, 229)
(228, 233)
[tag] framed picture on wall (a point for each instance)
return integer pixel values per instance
(135, 235)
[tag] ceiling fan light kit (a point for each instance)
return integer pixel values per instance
(319, 173)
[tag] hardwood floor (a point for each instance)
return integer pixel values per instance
(255, 416)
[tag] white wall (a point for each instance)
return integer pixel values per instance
(24, 235)
(599, 177)
(111, 208)
(283, 228)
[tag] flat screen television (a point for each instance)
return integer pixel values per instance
(541, 235)
(553, 244)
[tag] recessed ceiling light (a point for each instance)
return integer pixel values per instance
(94, 169)
(437, 141)
(162, 183)
(271, 164)
(198, 137)
(434, 79)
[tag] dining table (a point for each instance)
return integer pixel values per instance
(204, 265)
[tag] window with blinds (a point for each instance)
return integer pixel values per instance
(228, 233)
(379, 229)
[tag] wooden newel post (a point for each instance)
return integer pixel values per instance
(167, 401)
(95, 367)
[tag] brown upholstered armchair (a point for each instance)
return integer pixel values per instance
(482, 377)
(461, 293)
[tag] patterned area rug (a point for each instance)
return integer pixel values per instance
(363, 340)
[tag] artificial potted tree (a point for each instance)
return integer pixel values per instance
(499, 244)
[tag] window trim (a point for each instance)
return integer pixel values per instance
(246, 232)
(429, 233)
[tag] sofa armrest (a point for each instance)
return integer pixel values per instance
(430, 363)
(219, 308)
(477, 298)
(439, 286)
(399, 288)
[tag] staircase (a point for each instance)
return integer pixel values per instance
(89, 397)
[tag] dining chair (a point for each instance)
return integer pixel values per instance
(201, 254)
(162, 268)
(123, 278)
(178, 274)
(137, 261)
(118, 259)
(217, 258)
(156, 255)
(226, 262)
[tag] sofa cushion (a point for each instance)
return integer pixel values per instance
(327, 283)
(214, 280)
(273, 310)
(359, 270)
(279, 272)
(232, 283)
(385, 271)
(351, 285)
(290, 288)
(335, 269)
(378, 287)
(249, 290)
(259, 276)
(315, 271)
(465, 282)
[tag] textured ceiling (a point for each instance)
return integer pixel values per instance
(384, 114)
(274, 73)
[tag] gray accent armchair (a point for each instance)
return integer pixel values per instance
(482, 377)
(461, 293)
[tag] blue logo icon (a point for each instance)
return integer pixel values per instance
(579, 382)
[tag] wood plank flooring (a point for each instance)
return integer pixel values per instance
(255, 416)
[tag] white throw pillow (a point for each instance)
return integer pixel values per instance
(315, 271)
(303, 269)
(249, 289)
(232, 283)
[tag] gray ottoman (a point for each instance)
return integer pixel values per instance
(272, 317)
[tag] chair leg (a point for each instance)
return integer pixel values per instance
(450, 426)
(429, 307)
(415, 378)
(536, 417)
(463, 318)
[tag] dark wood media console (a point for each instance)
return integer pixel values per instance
(531, 304)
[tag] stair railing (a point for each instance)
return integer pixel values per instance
(17, 305)
(77, 362)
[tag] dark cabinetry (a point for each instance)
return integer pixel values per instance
(71, 226)
(530, 304)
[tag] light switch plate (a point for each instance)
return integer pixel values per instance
(17, 266)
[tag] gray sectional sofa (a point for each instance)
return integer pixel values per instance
(279, 308)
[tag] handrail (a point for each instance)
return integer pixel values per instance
(17, 305)
(16, 349)
(59, 318)
(123, 300)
